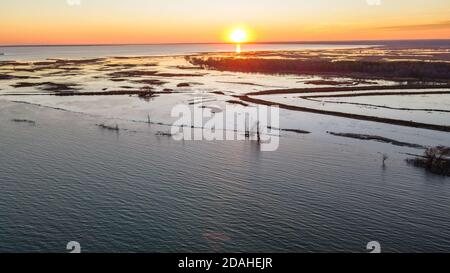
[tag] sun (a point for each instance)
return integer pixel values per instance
(239, 36)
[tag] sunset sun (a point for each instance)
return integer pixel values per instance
(239, 36)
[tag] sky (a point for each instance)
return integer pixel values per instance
(195, 21)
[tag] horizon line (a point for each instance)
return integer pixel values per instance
(221, 43)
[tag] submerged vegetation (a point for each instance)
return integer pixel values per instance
(184, 84)
(377, 138)
(435, 160)
(147, 93)
(14, 77)
(164, 134)
(333, 82)
(31, 122)
(48, 86)
(298, 131)
(237, 102)
(109, 127)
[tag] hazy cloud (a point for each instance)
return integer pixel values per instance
(439, 25)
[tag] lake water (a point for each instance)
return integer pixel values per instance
(44, 52)
(64, 179)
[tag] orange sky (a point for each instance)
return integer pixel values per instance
(177, 21)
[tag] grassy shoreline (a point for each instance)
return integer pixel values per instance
(389, 64)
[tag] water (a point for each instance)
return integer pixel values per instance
(420, 106)
(30, 53)
(64, 179)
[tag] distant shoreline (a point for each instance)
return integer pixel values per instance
(407, 42)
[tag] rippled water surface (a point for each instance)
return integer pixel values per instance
(64, 179)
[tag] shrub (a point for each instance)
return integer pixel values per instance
(435, 160)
